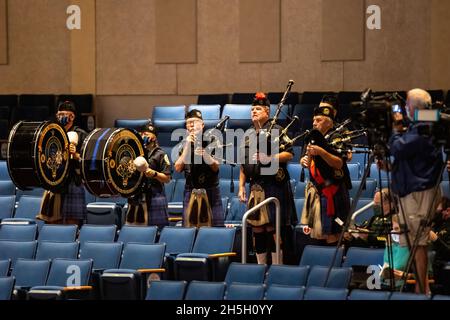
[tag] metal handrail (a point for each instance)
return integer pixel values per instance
(277, 227)
(361, 210)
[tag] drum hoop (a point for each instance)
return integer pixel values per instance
(111, 184)
(83, 157)
(8, 151)
(47, 125)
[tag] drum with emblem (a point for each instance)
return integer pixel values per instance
(38, 155)
(107, 162)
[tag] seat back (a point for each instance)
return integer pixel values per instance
(237, 291)
(135, 124)
(18, 232)
(137, 234)
(205, 290)
(4, 267)
(106, 255)
(142, 256)
(358, 294)
(338, 277)
(100, 233)
(7, 188)
(53, 249)
(6, 287)
(320, 256)
(177, 239)
(17, 249)
(212, 240)
(281, 292)
(28, 207)
(240, 115)
(408, 296)
(320, 293)
(62, 233)
(62, 271)
(287, 275)
(30, 273)
(7, 204)
(166, 290)
(363, 257)
(245, 273)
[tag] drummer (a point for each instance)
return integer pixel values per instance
(149, 206)
(69, 205)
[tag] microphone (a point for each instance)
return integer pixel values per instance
(366, 94)
(221, 124)
(291, 82)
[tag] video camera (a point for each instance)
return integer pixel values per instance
(375, 114)
(439, 116)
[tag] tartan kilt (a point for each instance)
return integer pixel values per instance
(149, 209)
(74, 203)
(157, 210)
(341, 207)
(215, 202)
(283, 193)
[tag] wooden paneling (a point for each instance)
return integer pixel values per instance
(342, 30)
(259, 30)
(176, 31)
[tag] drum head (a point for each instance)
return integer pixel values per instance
(38, 155)
(52, 156)
(123, 146)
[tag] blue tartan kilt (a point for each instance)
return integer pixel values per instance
(74, 203)
(215, 202)
(157, 210)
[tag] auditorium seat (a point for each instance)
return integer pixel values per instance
(7, 204)
(357, 256)
(104, 213)
(28, 274)
(178, 240)
(27, 210)
(408, 296)
(105, 255)
(128, 282)
(240, 116)
(166, 290)
(365, 216)
(359, 294)
(338, 277)
(283, 292)
(205, 290)
(367, 193)
(241, 291)
(18, 232)
(287, 275)
(61, 282)
(169, 118)
(319, 293)
(4, 174)
(4, 267)
(135, 124)
(6, 287)
(321, 256)
(7, 188)
(102, 233)
(210, 255)
(245, 273)
(17, 249)
(137, 234)
(62, 233)
(54, 249)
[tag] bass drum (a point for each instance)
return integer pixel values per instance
(107, 162)
(38, 155)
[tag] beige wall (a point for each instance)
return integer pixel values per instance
(114, 54)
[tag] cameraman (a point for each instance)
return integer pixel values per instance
(415, 179)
